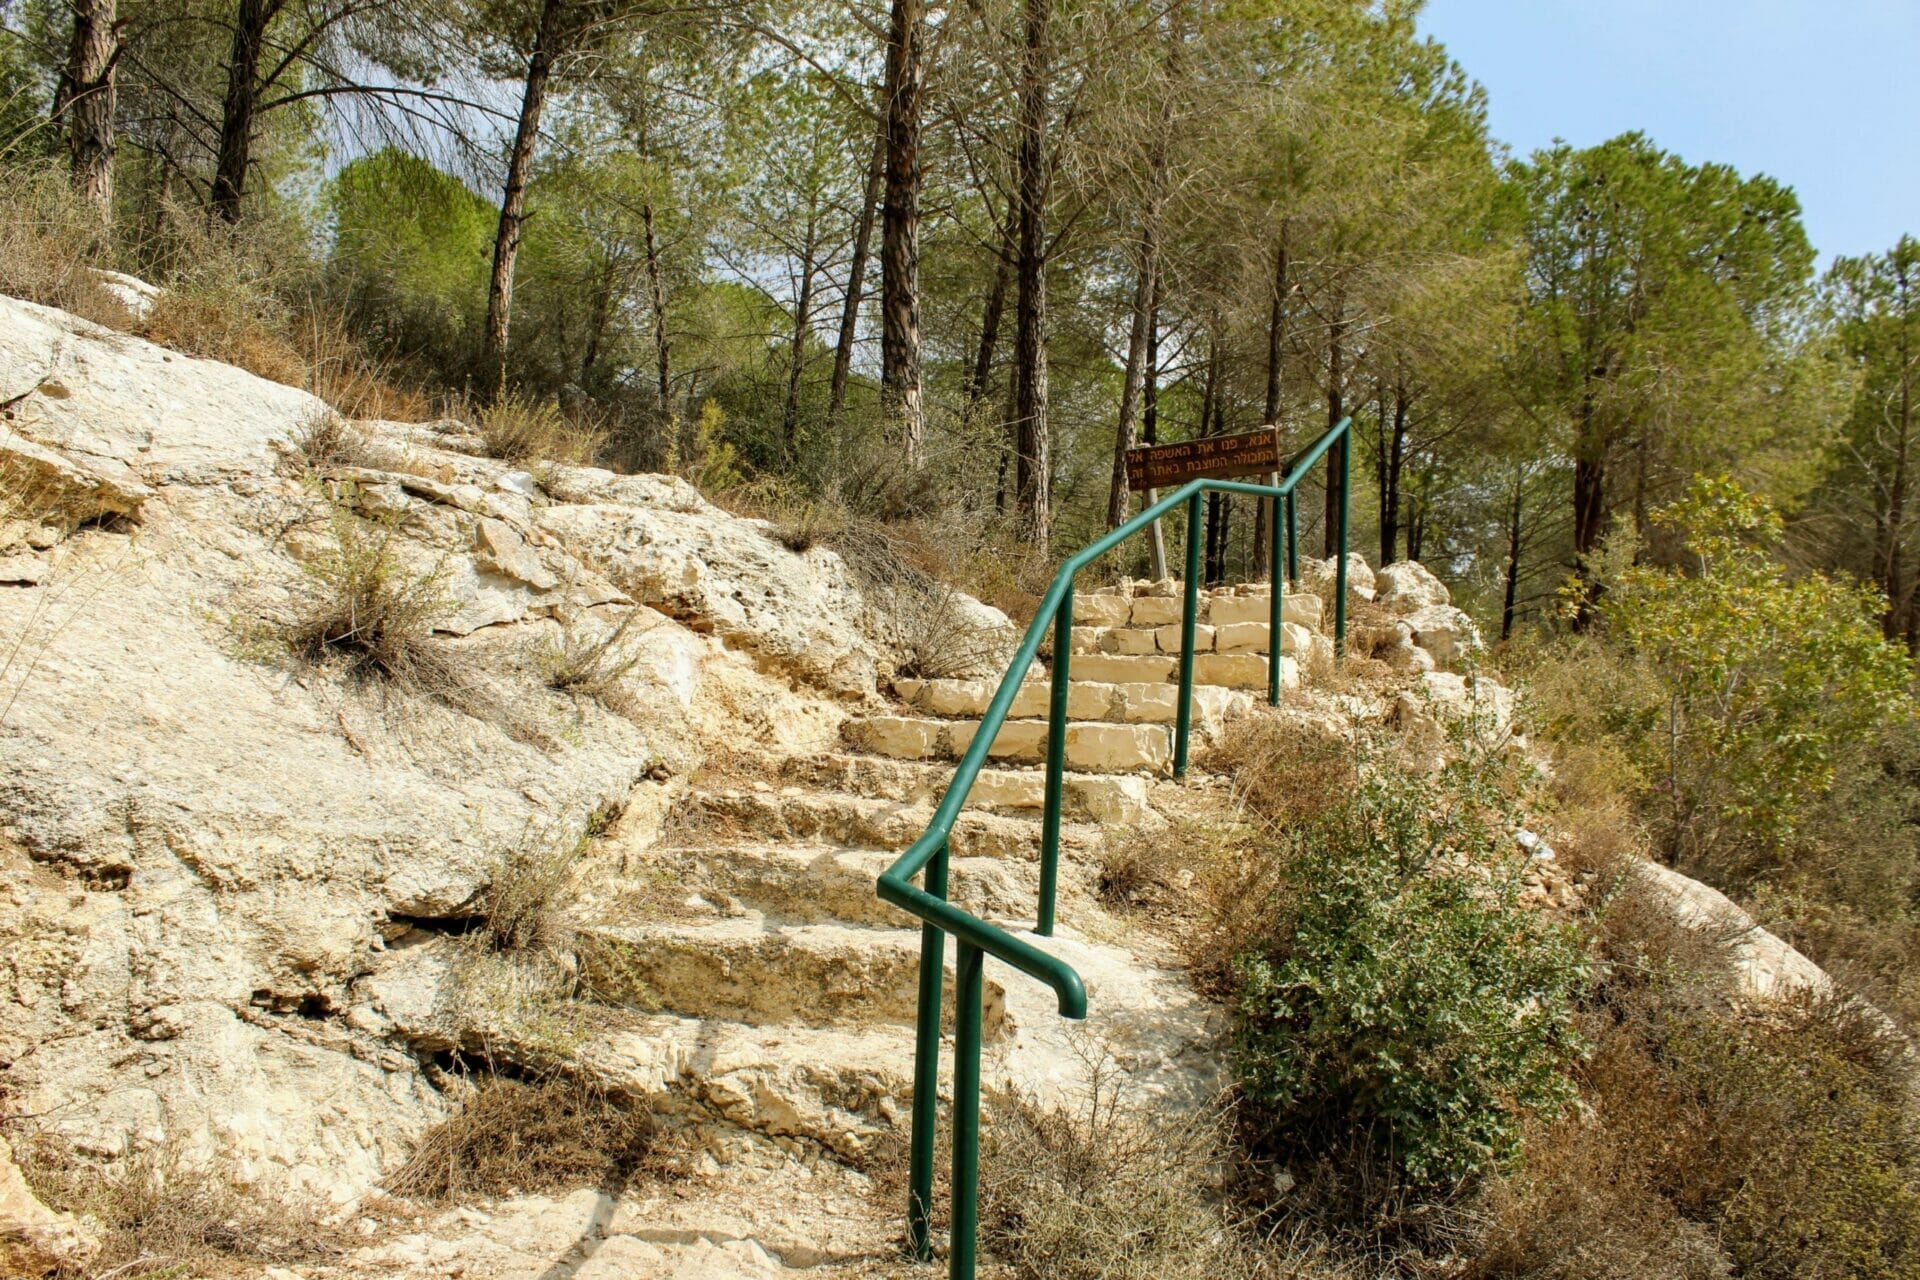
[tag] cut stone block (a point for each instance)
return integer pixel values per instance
(902, 737)
(1169, 638)
(1017, 740)
(1118, 748)
(1156, 611)
(1129, 640)
(1113, 668)
(1241, 637)
(1102, 610)
(1234, 670)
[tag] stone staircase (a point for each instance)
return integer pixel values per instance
(746, 978)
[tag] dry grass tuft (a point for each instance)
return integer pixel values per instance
(510, 1137)
(1285, 773)
(593, 663)
(525, 907)
(329, 442)
(364, 605)
(51, 245)
(516, 429)
(159, 1217)
(1105, 1192)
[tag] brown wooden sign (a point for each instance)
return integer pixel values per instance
(1160, 466)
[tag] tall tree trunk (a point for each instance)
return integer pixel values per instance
(1208, 425)
(1136, 375)
(89, 85)
(1416, 526)
(900, 228)
(1336, 410)
(796, 363)
(1032, 482)
(599, 313)
(856, 279)
(1263, 510)
(1514, 545)
(1395, 464)
(657, 298)
(996, 304)
(513, 207)
(242, 104)
(1150, 429)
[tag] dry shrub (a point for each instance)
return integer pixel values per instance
(525, 907)
(364, 605)
(592, 663)
(1583, 1209)
(341, 372)
(936, 632)
(1285, 772)
(1105, 1192)
(518, 429)
(158, 1216)
(513, 1137)
(329, 442)
(52, 243)
(1129, 867)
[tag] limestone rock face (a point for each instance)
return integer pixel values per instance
(1764, 965)
(1319, 577)
(34, 1240)
(1406, 586)
(207, 846)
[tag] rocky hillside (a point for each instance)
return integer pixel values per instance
(260, 866)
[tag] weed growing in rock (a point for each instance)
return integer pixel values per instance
(519, 429)
(1104, 1191)
(515, 1137)
(158, 1215)
(329, 442)
(592, 662)
(363, 604)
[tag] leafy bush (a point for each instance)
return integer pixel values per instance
(1401, 988)
(1764, 679)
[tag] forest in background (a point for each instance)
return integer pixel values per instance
(947, 262)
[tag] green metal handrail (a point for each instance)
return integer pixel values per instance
(974, 938)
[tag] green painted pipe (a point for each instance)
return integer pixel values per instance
(1056, 762)
(967, 985)
(926, 1074)
(1183, 726)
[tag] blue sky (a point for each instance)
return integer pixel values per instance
(1823, 96)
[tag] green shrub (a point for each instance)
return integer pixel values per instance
(1764, 679)
(1402, 988)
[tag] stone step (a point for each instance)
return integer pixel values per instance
(860, 821)
(812, 883)
(1111, 799)
(750, 969)
(1087, 700)
(1091, 747)
(1228, 637)
(740, 1085)
(1222, 670)
(1164, 606)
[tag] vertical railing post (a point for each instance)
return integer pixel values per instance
(1293, 544)
(967, 986)
(1340, 574)
(1183, 725)
(926, 1073)
(1056, 760)
(1276, 615)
